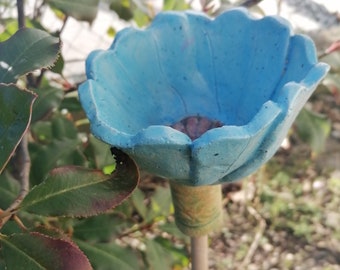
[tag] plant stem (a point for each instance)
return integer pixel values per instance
(21, 160)
(21, 13)
(249, 3)
(199, 252)
(22, 163)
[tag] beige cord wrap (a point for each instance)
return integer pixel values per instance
(198, 210)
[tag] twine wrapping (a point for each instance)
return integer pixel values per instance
(198, 210)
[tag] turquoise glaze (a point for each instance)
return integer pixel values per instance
(253, 75)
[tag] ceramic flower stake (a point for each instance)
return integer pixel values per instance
(200, 102)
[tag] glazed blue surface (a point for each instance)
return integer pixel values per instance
(253, 75)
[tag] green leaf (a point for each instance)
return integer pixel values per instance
(177, 255)
(122, 9)
(9, 228)
(75, 191)
(157, 256)
(172, 229)
(126, 210)
(58, 65)
(27, 50)
(76, 158)
(49, 98)
(2, 264)
(37, 251)
(72, 104)
(108, 169)
(160, 206)
(15, 116)
(63, 128)
(11, 26)
(46, 157)
(175, 5)
(138, 198)
(110, 256)
(160, 253)
(313, 128)
(9, 189)
(101, 228)
(98, 153)
(161, 202)
(41, 132)
(61, 147)
(58, 128)
(10, 29)
(85, 10)
(141, 18)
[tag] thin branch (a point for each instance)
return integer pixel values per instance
(37, 9)
(38, 80)
(19, 222)
(64, 24)
(203, 3)
(25, 161)
(249, 3)
(279, 5)
(254, 245)
(21, 13)
(22, 154)
(23, 164)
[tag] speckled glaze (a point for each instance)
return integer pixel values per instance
(251, 75)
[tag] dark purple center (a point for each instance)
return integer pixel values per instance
(195, 126)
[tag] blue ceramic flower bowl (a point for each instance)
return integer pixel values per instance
(252, 75)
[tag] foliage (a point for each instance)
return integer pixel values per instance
(64, 207)
(16, 106)
(63, 217)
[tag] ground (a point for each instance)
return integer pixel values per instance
(287, 215)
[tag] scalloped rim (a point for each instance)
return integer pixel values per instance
(164, 135)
